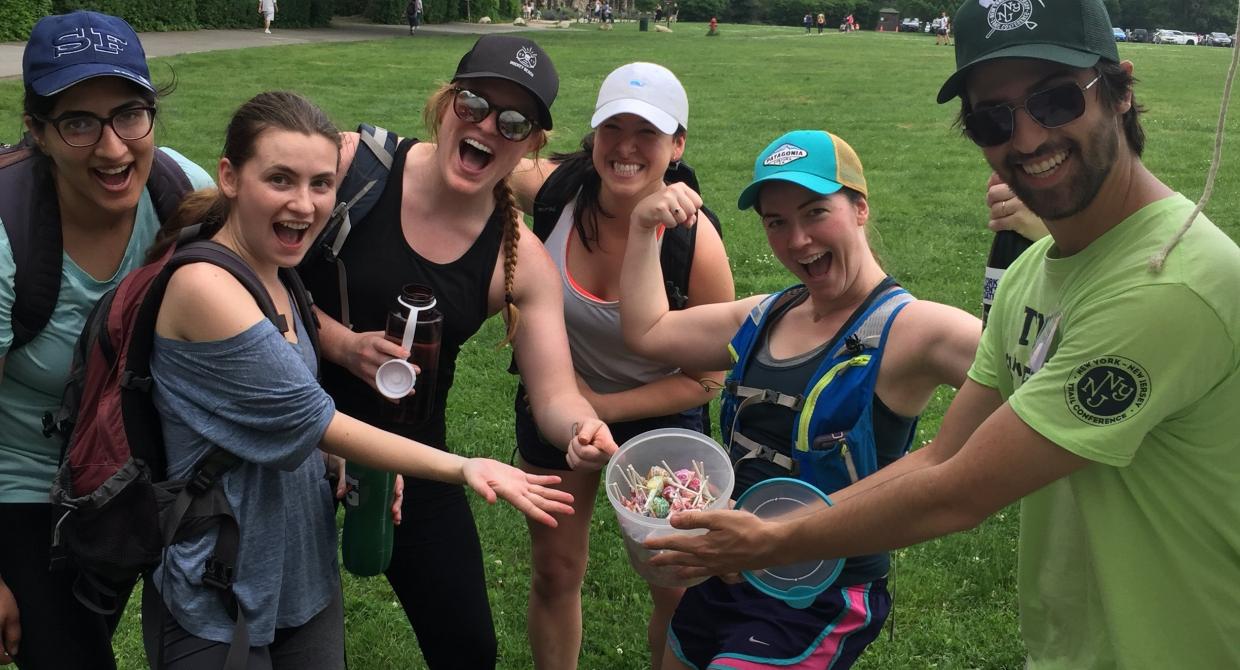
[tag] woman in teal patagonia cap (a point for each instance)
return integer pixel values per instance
(80, 200)
(827, 380)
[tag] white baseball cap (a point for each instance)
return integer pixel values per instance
(647, 90)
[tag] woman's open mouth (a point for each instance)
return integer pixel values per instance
(475, 155)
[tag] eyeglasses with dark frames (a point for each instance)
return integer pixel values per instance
(1053, 107)
(513, 125)
(83, 129)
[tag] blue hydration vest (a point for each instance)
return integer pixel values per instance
(832, 439)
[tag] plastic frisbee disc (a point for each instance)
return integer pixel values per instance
(797, 584)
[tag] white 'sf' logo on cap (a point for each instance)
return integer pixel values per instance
(78, 40)
(1005, 15)
(527, 57)
(785, 154)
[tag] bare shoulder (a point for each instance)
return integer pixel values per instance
(204, 302)
(926, 322)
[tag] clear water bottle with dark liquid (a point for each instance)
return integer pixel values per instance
(423, 352)
(1006, 247)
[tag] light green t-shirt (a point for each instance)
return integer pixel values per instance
(34, 376)
(1133, 561)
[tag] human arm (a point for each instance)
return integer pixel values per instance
(526, 180)
(359, 353)
(1008, 212)
(10, 625)
(695, 338)
(953, 488)
(540, 345)
(710, 282)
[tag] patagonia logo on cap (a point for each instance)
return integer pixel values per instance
(785, 154)
(1005, 15)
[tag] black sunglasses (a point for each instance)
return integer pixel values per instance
(83, 129)
(1051, 108)
(513, 125)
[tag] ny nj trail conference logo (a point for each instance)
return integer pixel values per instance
(1005, 15)
(1107, 390)
(785, 154)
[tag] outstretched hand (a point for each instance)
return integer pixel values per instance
(10, 625)
(591, 446)
(675, 205)
(524, 491)
(734, 541)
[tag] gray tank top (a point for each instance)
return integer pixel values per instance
(599, 354)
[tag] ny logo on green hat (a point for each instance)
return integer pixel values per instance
(1076, 33)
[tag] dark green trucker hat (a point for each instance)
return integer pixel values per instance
(1076, 33)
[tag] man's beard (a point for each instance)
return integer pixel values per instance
(1093, 163)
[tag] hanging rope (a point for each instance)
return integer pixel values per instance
(1159, 259)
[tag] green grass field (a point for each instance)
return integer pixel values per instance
(955, 596)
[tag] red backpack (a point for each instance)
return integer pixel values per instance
(116, 509)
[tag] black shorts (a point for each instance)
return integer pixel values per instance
(538, 452)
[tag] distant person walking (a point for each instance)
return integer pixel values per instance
(808, 22)
(940, 30)
(413, 12)
(268, 9)
(822, 21)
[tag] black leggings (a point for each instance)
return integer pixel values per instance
(318, 643)
(437, 574)
(57, 631)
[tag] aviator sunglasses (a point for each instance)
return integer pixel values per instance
(1051, 108)
(512, 125)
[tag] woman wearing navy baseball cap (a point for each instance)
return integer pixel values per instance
(447, 220)
(80, 199)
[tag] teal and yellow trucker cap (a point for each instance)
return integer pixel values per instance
(1076, 33)
(813, 159)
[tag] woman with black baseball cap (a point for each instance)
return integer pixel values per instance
(81, 199)
(447, 220)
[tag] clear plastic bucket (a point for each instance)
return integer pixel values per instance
(678, 447)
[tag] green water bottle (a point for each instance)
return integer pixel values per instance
(368, 529)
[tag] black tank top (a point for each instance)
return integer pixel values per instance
(379, 263)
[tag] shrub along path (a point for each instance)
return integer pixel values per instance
(342, 30)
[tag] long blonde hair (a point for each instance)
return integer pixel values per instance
(432, 116)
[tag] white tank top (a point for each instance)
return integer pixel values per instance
(598, 350)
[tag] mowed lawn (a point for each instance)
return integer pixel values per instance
(956, 604)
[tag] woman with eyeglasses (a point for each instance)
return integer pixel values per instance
(640, 126)
(828, 378)
(447, 220)
(80, 203)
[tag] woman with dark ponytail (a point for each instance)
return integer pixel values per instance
(226, 378)
(80, 202)
(447, 220)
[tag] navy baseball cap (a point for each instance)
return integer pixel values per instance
(520, 61)
(66, 49)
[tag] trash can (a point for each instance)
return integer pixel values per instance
(643, 24)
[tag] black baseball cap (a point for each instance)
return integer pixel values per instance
(518, 60)
(1076, 33)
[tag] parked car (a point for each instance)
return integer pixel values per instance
(1139, 35)
(910, 25)
(1119, 34)
(1218, 40)
(1165, 36)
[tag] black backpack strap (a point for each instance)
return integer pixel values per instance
(358, 193)
(31, 216)
(303, 302)
(559, 187)
(206, 251)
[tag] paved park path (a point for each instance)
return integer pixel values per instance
(341, 30)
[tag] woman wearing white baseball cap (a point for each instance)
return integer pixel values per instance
(81, 198)
(581, 204)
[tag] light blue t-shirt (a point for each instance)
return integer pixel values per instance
(34, 376)
(256, 396)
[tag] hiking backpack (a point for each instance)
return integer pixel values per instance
(31, 215)
(676, 249)
(358, 193)
(116, 511)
